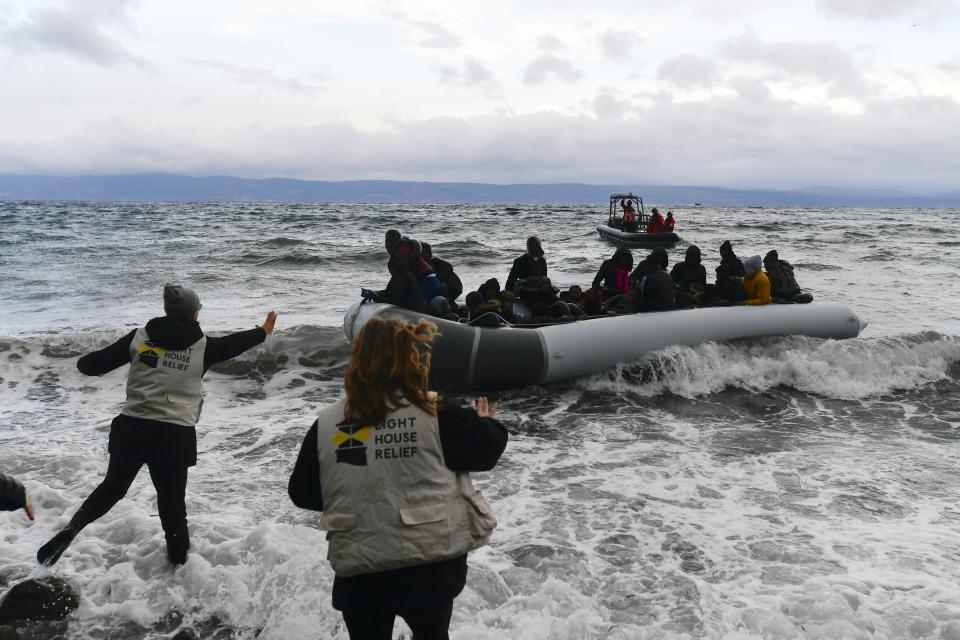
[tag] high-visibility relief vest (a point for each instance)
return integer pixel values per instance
(164, 384)
(389, 500)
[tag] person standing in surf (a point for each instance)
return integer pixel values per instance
(157, 425)
(388, 466)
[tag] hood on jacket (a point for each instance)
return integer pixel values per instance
(692, 256)
(174, 332)
(534, 247)
(624, 254)
(659, 257)
(772, 257)
(726, 250)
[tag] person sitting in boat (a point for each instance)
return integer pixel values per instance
(476, 307)
(403, 290)
(450, 281)
(727, 291)
(655, 224)
(652, 283)
(729, 260)
(783, 284)
(530, 265)
(412, 252)
(690, 279)
(756, 285)
(613, 278)
(629, 215)
(538, 293)
(668, 222)
(440, 308)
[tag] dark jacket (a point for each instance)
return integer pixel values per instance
(526, 266)
(782, 280)
(12, 494)
(607, 275)
(403, 290)
(656, 287)
(178, 443)
(690, 271)
(733, 265)
(469, 443)
(450, 280)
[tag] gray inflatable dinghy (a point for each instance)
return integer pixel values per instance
(469, 357)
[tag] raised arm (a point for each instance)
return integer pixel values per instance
(472, 439)
(230, 346)
(107, 359)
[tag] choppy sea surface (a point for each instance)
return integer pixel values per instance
(773, 488)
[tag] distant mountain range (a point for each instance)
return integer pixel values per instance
(154, 187)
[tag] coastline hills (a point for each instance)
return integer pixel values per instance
(161, 187)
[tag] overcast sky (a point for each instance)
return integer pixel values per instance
(740, 93)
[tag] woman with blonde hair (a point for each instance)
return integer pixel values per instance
(388, 465)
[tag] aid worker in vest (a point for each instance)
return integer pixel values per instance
(156, 426)
(388, 466)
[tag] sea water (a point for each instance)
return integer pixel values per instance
(772, 488)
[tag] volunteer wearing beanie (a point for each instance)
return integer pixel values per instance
(156, 426)
(756, 285)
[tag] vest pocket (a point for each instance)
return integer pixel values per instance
(413, 516)
(338, 521)
(480, 514)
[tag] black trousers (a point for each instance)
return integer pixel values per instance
(428, 622)
(131, 448)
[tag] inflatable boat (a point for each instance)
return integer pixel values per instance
(638, 238)
(627, 204)
(469, 357)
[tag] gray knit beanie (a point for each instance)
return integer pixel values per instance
(178, 300)
(752, 264)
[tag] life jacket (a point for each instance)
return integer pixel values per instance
(656, 223)
(164, 384)
(622, 275)
(628, 218)
(389, 499)
(668, 224)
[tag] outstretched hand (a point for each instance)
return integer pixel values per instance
(29, 509)
(483, 408)
(269, 323)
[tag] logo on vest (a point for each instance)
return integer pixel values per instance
(150, 354)
(350, 441)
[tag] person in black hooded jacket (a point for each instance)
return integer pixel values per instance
(403, 290)
(530, 264)
(730, 262)
(614, 273)
(156, 427)
(452, 287)
(690, 278)
(654, 283)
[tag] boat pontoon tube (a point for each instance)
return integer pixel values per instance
(467, 357)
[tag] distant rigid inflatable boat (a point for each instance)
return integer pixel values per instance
(470, 357)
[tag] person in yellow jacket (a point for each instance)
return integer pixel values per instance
(755, 283)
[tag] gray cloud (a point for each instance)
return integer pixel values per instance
(539, 69)
(436, 35)
(824, 61)
(471, 73)
(886, 9)
(688, 70)
(550, 42)
(607, 106)
(263, 78)
(618, 45)
(77, 29)
(735, 141)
